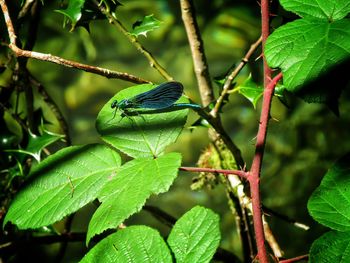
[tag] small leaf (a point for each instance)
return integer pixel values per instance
(61, 184)
(148, 23)
(128, 191)
(143, 135)
(132, 244)
(195, 236)
(329, 204)
(328, 9)
(250, 90)
(37, 143)
(73, 11)
(279, 90)
(332, 247)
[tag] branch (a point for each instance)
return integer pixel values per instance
(197, 51)
(58, 60)
(296, 259)
(265, 31)
(239, 173)
(53, 106)
(254, 177)
(271, 240)
(232, 76)
(133, 40)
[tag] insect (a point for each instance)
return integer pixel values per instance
(161, 97)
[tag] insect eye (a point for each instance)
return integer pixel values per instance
(114, 104)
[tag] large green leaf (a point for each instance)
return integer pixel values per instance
(332, 247)
(304, 49)
(195, 236)
(61, 184)
(132, 244)
(128, 191)
(144, 135)
(329, 9)
(330, 202)
(314, 51)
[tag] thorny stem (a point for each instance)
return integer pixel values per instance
(239, 173)
(133, 40)
(296, 259)
(265, 31)
(254, 178)
(254, 173)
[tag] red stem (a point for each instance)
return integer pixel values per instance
(254, 177)
(296, 259)
(254, 174)
(265, 31)
(239, 173)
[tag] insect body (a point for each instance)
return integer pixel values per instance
(161, 97)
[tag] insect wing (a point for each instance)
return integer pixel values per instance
(163, 96)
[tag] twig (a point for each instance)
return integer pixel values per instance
(133, 40)
(232, 76)
(296, 259)
(46, 240)
(239, 173)
(271, 240)
(58, 60)
(197, 50)
(270, 212)
(161, 215)
(32, 11)
(254, 177)
(53, 106)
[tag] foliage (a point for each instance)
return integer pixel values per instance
(132, 163)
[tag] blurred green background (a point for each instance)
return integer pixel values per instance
(303, 139)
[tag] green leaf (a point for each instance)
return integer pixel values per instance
(326, 9)
(306, 50)
(332, 247)
(37, 143)
(144, 135)
(279, 90)
(132, 244)
(195, 236)
(329, 204)
(73, 11)
(148, 23)
(250, 90)
(128, 191)
(61, 184)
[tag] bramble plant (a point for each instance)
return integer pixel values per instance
(305, 53)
